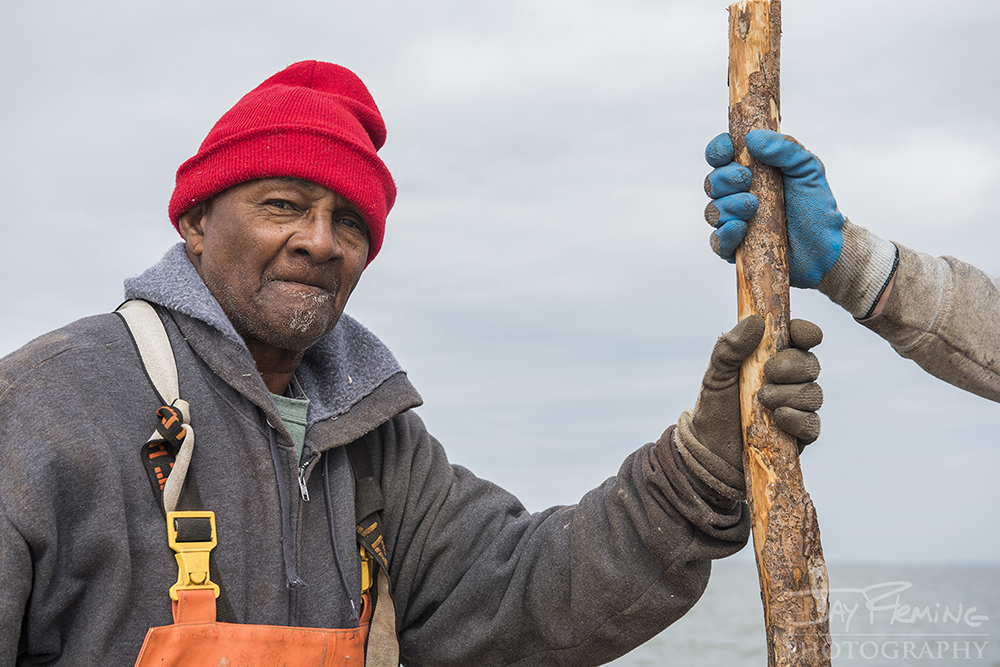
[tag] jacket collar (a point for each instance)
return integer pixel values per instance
(343, 369)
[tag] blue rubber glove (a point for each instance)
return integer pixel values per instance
(815, 237)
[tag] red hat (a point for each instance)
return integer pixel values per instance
(313, 120)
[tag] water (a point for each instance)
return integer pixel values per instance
(881, 616)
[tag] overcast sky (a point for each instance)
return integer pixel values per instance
(546, 277)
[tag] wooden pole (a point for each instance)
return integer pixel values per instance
(793, 579)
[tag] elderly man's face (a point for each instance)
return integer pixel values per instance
(281, 256)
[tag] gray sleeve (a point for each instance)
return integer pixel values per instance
(478, 580)
(944, 314)
(15, 584)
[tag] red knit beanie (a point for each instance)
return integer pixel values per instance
(313, 120)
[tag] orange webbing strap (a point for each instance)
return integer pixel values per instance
(194, 607)
(366, 610)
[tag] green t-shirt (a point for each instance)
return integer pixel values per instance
(293, 412)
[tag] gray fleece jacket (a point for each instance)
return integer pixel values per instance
(476, 579)
(945, 315)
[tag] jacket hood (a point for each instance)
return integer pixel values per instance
(337, 372)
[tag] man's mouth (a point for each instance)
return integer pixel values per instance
(306, 290)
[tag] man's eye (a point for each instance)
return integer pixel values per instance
(353, 223)
(280, 204)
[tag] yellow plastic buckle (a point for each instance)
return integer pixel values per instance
(367, 571)
(192, 557)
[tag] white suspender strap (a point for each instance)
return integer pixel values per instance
(158, 357)
(154, 347)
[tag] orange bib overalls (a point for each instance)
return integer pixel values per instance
(197, 640)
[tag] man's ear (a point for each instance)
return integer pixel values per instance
(192, 227)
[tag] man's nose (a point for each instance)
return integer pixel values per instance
(317, 238)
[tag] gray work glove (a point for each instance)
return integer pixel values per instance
(710, 437)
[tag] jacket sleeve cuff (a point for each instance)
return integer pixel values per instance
(711, 470)
(862, 272)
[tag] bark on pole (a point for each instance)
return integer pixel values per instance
(793, 579)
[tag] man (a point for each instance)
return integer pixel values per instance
(940, 312)
(281, 210)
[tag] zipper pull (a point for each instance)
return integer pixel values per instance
(302, 481)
